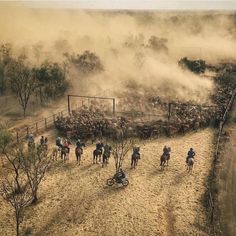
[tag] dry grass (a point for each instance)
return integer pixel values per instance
(74, 200)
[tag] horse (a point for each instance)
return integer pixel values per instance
(79, 152)
(64, 152)
(97, 153)
(55, 152)
(31, 146)
(105, 157)
(135, 157)
(190, 164)
(165, 157)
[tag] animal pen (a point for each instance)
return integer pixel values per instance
(106, 104)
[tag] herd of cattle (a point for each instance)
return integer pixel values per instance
(89, 124)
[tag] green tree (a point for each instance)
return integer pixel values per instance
(5, 58)
(22, 82)
(85, 63)
(51, 81)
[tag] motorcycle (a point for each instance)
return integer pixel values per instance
(115, 179)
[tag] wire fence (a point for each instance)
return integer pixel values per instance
(39, 126)
(216, 154)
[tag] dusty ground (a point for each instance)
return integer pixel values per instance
(74, 200)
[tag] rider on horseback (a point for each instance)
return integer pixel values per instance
(191, 154)
(31, 140)
(79, 145)
(42, 141)
(58, 142)
(107, 149)
(166, 151)
(99, 145)
(136, 151)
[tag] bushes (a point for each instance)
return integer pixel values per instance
(51, 80)
(196, 66)
(85, 63)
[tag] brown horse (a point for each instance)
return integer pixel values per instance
(165, 157)
(79, 152)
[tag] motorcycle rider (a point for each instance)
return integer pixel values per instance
(120, 176)
(191, 154)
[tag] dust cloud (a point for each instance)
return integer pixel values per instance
(121, 40)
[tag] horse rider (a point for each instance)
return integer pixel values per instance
(31, 139)
(166, 151)
(136, 151)
(66, 144)
(191, 154)
(99, 145)
(42, 141)
(79, 145)
(58, 142)
(46, 141)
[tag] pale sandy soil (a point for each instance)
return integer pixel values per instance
(74, 200)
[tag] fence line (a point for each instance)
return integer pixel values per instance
(39, 126)
(216, 154)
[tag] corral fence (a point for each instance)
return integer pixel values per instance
(39, 126)
(167, 109)
(216, 154)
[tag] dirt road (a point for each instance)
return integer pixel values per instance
(227, 195)
(74, 200)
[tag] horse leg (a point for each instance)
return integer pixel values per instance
(79, 158)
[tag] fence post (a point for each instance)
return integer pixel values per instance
(169, 111)
(27, 130)
(69, 104)
(114, 106)
(45, 123)
(17, 137)
(36, 125)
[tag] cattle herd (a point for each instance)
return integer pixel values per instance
(88, 123)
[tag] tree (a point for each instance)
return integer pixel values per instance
(85, 63)
(37, 50)
(22, 82)
(120, 148)
(14, 187)
(35, 164)
(196, 66)
(18, 200)
(5, 58)
(51, 81)
(158, 44)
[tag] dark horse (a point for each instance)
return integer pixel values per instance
(106, 155)
(64, 153)
(97, 153)
(79, 152)
(134, 160)
(165, 157)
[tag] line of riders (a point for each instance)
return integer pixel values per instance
(102, 154)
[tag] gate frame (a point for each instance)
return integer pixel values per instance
(93, 97)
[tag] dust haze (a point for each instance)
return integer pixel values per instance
(121, 40)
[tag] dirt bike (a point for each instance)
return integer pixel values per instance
(116, 179)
